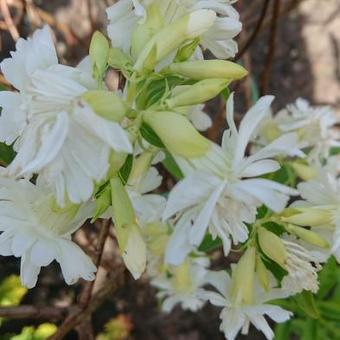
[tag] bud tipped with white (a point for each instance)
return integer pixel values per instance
(177, 134)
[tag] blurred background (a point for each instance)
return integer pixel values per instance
(295, 53)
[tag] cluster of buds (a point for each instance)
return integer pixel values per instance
(83, 150)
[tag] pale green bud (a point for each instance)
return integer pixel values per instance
(99, 54)
(308, 236)
(140, 167)
(272, 246)
(174, 35)
(143, 33)
(103, 202)
(208, 69)
(177, 134)
(129, 236)
(185, 52)
(117, 160)
(117, 59)
(134, 253)
(243, 278)
(304, 171)
(198, 93)
(262, 273)
(311, 217)
(106, 104)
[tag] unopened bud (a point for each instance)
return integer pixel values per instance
(209, 69)
(174, 35)
(272, 246)
(106, 104)
(99, 54)
(308, 236)
(183, 139)
(198, 93)
(243, 278)
(304, 171)
(309, 217)
(262, 273)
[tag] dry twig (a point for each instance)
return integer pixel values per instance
(8, 20)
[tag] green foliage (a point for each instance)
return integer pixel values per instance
(7, 154)
(150, 136)
(170, 164)
(118, 328)
(125, 170)
(11, 291)
(42, 332)
(315, 317)
(209, 244)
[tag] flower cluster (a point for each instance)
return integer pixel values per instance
(84, 151)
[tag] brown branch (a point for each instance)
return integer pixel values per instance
(85, 297)
(33, 312)
(253, 36)
(79, 315)
(8, 20)
(271, 48)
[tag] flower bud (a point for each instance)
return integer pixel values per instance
(308, 236)
(304, 171)
(177, 133)
(208, 69)
(262, 273)
(128, 233)
(144, 31)
(140, 167)
(198, 93)
(134, 253)
(243, 278)
(174, 35)
(117, 59)
(310, 217)
(272, 246)
(106, 104)
(99, 54)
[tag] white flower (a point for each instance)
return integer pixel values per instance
(55, 134)
(148, 207)
(199, 118)
(236, 318)
(125, 15)
(313, 125)
(322, 195)
(184, 285)
(302, 266)
(34, 229)
(221, 192)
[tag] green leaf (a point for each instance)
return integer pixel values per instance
(7, 154)
(150, 136)
(282, 331)
(226, 93)
(125, 170)
(328, 278)
(275, 228)
(310, 330)
(171, 166)
(334, 151)
(274, 268)
(330, 310)
(11, 291)
(103, 202)
(209, 244)
(306, 303)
